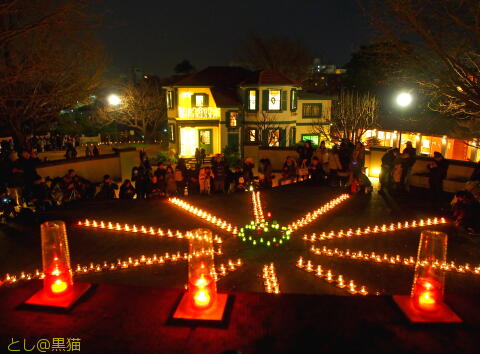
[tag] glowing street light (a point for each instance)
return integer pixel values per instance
(404, 99)
(114, 100)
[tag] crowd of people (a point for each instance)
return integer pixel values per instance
(341, 166)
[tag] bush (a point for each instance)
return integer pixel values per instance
(231, 156)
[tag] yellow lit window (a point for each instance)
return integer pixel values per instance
(274, 100)
(274, 137)
(252, 100)
(199, 101)
(233, 119)
(252, 135)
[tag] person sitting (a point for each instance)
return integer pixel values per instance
(127, 190)
(289, 171)
(107, 189)
(40, 194)
(155, 188)
(361, 184)
(265, 173)
(465, 210)
(316, 171)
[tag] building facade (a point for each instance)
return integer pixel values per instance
(229, 106)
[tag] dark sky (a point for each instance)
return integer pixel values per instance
(157, 34)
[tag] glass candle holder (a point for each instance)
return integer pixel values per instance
(429, 280)
(202, 287)
(56, 258)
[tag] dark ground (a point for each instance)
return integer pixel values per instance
(128, 310)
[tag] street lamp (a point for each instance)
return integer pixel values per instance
(404, 99)
(114, 100)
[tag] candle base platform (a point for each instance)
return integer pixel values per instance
(184, 314)
(441, 315)
(43, 301)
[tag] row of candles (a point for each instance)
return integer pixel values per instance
(145, 230)
(218, 222)
(270, 279)
(375, 229)
(257, 207)
(330, 277)
(132, 262)
(312, 216)
(390, 259)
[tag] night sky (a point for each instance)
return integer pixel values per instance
(155, 35)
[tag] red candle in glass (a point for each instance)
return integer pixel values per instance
(56, 258)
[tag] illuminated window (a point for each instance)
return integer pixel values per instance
(273, 137)
(310, 137)
(169, 99)
(171, 131)
(274, 100)
(205, 137)
(312, 110)
(200, 100)
(252, 100)
(293, 100)
(252, 135)
(232, 119)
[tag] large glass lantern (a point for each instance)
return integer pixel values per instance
(56, 258)
(202, 288)
(429, 281)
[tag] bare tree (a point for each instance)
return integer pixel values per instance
(266, 124)
(49, 60)
(351, 116)
(443, 47)
(287, 56)
(143, 107)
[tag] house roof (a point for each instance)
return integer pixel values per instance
(269, 77)
(216, 76)
(225, 97)
(433, 124)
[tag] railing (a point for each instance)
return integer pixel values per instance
(198, 112)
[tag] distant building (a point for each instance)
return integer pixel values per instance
(324, 79)
(230, 106)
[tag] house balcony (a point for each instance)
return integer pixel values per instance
(199, 113)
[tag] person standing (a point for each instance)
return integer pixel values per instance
(181, 176)
(171, 185)
(386, 171)
(438, 171)
(409, 162)
(334, 166)
(220, 174)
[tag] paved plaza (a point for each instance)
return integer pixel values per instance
(20, 243)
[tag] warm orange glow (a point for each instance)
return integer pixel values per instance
(426, 300)
(202, 292)
(426, 294)
(202, 298)
(59, 286)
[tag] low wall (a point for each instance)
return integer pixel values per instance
(118, 166)
(277, 156)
